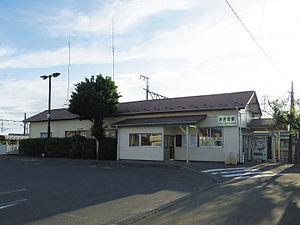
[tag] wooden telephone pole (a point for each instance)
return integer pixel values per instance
(290, 154)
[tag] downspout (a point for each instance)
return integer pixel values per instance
(239, 127)
(187, 145)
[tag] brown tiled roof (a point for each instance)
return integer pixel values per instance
(56, 114)
(184, 104)
(153, 121)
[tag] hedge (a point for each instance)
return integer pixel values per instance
(74, 147)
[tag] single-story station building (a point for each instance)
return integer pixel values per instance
(198, 128)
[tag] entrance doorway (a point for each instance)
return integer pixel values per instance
(269, 147)
(169, 147)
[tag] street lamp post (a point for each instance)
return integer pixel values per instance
(44, 77)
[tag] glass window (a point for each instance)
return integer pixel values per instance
(178, 141)
(45, 134)
(183, 140)
(133, 139)
(70, 133)
(150, 139)
(110, 133)
(216, 136)
(204, 136)
(193, 140)
(146, 139)
(210, 136)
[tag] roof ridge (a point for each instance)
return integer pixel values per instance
(193, 96)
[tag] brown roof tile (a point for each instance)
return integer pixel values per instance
(183, 104)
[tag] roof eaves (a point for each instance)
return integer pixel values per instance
(176, 111)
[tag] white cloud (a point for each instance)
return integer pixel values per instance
(126, 14)
(79, 55)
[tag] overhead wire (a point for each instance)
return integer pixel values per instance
(256, 42)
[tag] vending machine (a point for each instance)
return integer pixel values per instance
(259, 148)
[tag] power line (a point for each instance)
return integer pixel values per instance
(256, 42)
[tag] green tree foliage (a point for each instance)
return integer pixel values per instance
(93, 99)
(285, 117)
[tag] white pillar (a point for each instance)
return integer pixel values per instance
(118, 144)
(187, 146)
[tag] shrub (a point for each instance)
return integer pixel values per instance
(76, 150)
(89, 147)
(57, 147)
(73, 147)
(32, 146)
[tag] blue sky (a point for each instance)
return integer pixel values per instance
(186, 47)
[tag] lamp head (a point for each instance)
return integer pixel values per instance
(55, 74)
(44, 77)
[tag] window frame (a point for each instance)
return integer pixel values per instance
(210, 139)
(140, 140)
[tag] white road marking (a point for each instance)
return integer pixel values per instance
(242, 173)
(8, 192)
(215, 170)
(235, 171)
(6, 206)
(263, 175)
(9, 204)
(249, 173)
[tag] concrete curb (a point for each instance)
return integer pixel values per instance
(213, 178)
(92, 161)
(163, 207)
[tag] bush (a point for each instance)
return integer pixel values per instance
(75, 147)
(57, 147)
(76, 150)
(32, 146)
(89, 147)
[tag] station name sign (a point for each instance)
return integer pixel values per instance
(226, 120)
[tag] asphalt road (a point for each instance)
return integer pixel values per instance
(46, 192)
(268, 196)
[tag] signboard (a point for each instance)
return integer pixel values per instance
(226, 120)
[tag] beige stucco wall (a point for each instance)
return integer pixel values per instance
(139, 153)
(230, 136)
(58, 127)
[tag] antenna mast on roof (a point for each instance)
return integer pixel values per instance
(69, 65)
(113, 49)
(152, 94)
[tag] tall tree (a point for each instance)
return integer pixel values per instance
(285, 117)
(93, 99)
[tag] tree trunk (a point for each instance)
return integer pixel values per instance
(97, 149)
(297, 150)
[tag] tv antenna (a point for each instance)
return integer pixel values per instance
(69, 66)
(148, 92)
(113, 48)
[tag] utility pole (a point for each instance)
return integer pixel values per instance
(290, 154)
(147, 85)
(24, 133)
